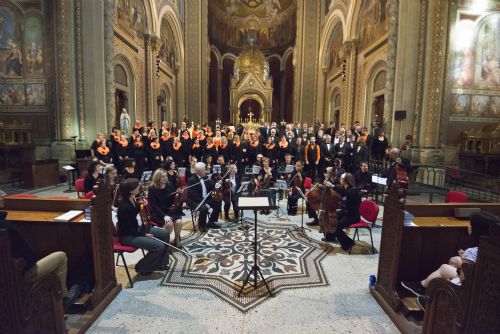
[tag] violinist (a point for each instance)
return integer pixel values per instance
(94, 173)
(232, 184)
(295, 179)
(161, 196)
(172, 173)
(266, 179)
(199, 187)
(155, 157)
(349, 212)
(130, 234)
(103, 154)
(130, 171)
(397, 163)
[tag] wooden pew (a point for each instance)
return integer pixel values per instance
(82, 242)
(411, 253)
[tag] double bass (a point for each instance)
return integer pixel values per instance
(401, 175)
(325, 200)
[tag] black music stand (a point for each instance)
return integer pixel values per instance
(255, 204)
(302, 229)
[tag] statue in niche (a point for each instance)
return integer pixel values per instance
(14, 61)
(236, 73)
(266, 72)
(124, 121)
(34, 58)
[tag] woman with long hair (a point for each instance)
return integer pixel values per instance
(131, 234)
(161, 195)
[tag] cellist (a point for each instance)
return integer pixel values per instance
(397, 162)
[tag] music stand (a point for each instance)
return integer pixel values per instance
(302, 229)
(71, 177)
(282, 186)
(255, 204)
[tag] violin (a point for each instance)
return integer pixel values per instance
(143, 207)
(103, 150)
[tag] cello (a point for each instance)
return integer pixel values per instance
(325, 200)
(401, 175)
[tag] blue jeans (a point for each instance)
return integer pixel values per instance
(157, 252)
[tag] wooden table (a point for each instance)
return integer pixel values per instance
(440, 222)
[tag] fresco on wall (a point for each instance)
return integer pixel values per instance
(374, 22)
(335, 50)
(11, 94)
(460, 105)
(487, 60)
(130, 16)
(33, 41)
(35, 94)
(11, 58)
(475, 67)
(167, 47)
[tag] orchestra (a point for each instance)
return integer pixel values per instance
(231, 155)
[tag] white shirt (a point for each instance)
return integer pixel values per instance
(233, 183)
(203, 187)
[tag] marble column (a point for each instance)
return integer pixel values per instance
(149, 113)
(219, 93)
(108, 63)
(352, 54)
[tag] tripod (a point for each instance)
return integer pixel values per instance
(254, 203)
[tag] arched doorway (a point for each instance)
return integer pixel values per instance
(252, 107)
(376, 94)
(336, 103)
(124, 92)
(163, 101)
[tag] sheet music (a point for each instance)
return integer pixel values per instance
(243, 186)
(281, 184)
(256, 169)
(253, 202)
(379, 180)
(68, 168)
(146, 176)
(289, 168)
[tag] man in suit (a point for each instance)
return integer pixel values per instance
(199, 187)
(231, 197)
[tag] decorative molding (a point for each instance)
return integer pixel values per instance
(432, 116)
(391, 66)
(79, 68)
(63, 14)
(108, 63)
(420, 70)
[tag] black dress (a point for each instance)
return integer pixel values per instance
(160, 202)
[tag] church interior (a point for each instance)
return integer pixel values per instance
(352, 149)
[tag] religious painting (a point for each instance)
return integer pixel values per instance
(460, 105)
(11, 58)
(335, 50)
(130, 15)
(479, 105)
(373, 20)
(167, 47)
(35, 94)
(12, 94)
(33, 41)
(487, 60)
(495, 106)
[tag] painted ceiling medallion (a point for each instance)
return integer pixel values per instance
(251, 3)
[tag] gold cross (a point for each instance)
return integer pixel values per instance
(250, 114)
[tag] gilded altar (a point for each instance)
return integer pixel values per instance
(251, 81)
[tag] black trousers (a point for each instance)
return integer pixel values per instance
(343, 222)
(228, 200)
(203, 210)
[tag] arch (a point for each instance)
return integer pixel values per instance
(352, 17)
(278, 57)
(335, 106)
(332, 21)
(218, 56)
(122, 60)
(150, 8)
(171, 16)
(371, 94)
(228, 55)
(165, 104)
(252, 95)
(288, 52)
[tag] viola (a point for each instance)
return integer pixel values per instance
(103, 150)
